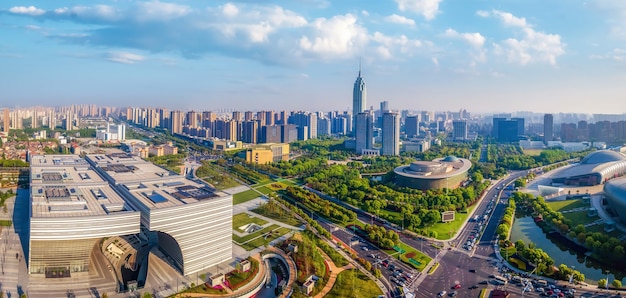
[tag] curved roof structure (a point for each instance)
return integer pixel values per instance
(615, 191)
(595, 168)
(602, 156)
(440, 168)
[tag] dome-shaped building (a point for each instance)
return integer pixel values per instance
(448, 172)
(615, 191)
(595, 168)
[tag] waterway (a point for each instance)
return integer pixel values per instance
(524, 228)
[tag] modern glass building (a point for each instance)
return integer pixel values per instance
(359, 97)
(595, 168)
(615, 191)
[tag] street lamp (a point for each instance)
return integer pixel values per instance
(607, 279)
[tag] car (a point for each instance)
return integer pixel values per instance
(472, 270)
(484, 282)
(473, 287)
(457, 286)
(442, 293)
(453, 294)
(492, 276)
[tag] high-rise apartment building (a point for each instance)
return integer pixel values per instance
(364, 132)
(548, 128)
(176, 122)
(249, 132)
(359, 96)
(7, 120)
(391, 134)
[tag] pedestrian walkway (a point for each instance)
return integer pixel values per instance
(334, 271)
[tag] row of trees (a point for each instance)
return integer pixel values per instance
(506, 222)
(326, 208)
(381, 236)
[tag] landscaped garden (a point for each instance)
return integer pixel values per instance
(353, 283)
(274, 211)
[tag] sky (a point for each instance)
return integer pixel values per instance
(481, 55)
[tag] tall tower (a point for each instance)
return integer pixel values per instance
(7, 120)
(548, 127)
(391, 134)
(176, 122)
(359, 96)
(364, 131)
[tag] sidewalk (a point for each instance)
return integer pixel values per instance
(334, 271)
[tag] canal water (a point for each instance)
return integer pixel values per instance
(524, 228)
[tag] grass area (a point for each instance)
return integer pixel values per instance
(260, 241)
(411, 253)
(264, 189)
(216, 176)
(237, 279)
(600, 229)
(274, 186)
(518, 263)
(511, 250)
(245, 196)
(580, 218)
(445, 230)
(242, 219)
(5, 223)
(203, 289)
(532, 152)
(274, 211)
(560, 206)
(353, 283)
(253, 235)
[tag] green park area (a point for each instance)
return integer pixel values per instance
(274, 211)
(580, 218)
(446, 230)
(560, 206)
(242, 219)
(245, 196)
(533, 152)
(353, 283)
(216, 176)
(409, 255)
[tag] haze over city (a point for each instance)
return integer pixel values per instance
(487, 56)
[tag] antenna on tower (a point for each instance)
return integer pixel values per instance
(359, 66)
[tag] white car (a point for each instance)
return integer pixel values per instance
(441, 294)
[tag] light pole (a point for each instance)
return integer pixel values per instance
(607, 279)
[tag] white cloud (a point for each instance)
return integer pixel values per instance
(338, 36)
(532, 46)
(474, 39)
(398, 19)
(365, 13)
(30, 10)
(426, 8)
(617, 55)
(435, 61)
(482, 13)
(395, 44)
(124, 57)
(230, 10)
(155, 10)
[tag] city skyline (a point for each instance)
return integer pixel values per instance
(417, 54)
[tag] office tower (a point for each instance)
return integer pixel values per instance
(459, 130)
(323, 126)
(391, 134)
(271, 134)
(548, 127)
(359, 97)
(7, 120)
(412, 126)
(289, 133)
(508, 130)
(176, 122)
(384, 106)
(364, 132)
(249, 132)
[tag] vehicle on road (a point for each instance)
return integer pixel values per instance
(472, 270)
(457, 286)
(442, 293)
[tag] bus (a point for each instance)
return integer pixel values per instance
(499, 280)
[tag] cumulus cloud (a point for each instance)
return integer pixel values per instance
(30, 10)
(531, 46)
(398, 19)
(124, 57)
(474, 39)
(427, 8)
(263, 32)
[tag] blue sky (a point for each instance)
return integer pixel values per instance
(481, 55)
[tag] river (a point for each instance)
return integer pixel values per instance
(524, 228)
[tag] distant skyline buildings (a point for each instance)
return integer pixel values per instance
(359, 96)
(390, 134)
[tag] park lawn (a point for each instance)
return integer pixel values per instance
(216, 176)
(600, 229)
(511, 250)
(353, 283)
(254, 235)
(532, 152)
(205, 289)
(279, 215)
(560, 206)
(238, 279)
(242, 219)
(289, 182)
(445, 230)
(260, 241)
(580, 218)
(264, 189)
(274, 186)
(245, 196)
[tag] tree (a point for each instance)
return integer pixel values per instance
(617, 283)
(602, 283)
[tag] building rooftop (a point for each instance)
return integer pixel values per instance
(125, 168)
(66, 186)
(435, 169)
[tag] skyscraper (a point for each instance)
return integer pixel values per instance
(548, 128)
(176, 122)
(391, 134)
(359, 96)
(412, 126)
(6, 118)
(459, 130)
(364, 131)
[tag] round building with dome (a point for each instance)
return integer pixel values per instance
(448, 172)
(595, 168)
(615, 192)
